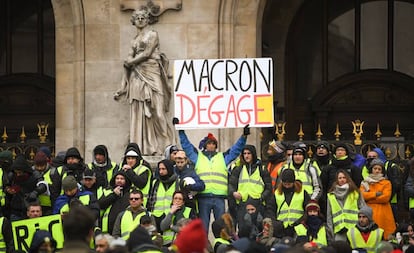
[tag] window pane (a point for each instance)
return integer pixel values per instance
(374, 21)
(24, 36)
(341, 45)
(404, 38)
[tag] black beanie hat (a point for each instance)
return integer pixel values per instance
(341, 145)
(99, 150)
(288, 176)
(137, 237)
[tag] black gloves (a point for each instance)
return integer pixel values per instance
(246, 130)
(175, 121)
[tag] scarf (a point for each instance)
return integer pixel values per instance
(314, 223)
(371, 179)
(341, 191)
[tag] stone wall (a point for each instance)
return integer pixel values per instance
(92, 40)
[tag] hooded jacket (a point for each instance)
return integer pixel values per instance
(251, 168)
(115, 202)
(103, 171)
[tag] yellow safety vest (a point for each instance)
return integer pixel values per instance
(252, 185)
(289, 214)
(346, 216)
(105, 213)
(84, 199)
(168, 235)
(2, 242)
(109, 172)
(357, 241)
(44, 199)
(301, 230)
(214, 174)
(302, 175)
(164, 198)
(220, 240)
(139, 170)
(128, 223)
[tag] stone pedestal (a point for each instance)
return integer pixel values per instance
(153, 160)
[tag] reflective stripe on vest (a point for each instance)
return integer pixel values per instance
(84, 199)
(168, 235)
(289, 214)
(220, 240)
(164, 199)
(128, 223)
(213, 172)
(105, 214)
(346, 216)
(109, 172)
(139, 170)
(357, 241)
(2, 242)
(301, 230)
(252, 185)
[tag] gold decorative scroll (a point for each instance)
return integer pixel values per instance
(358, 131)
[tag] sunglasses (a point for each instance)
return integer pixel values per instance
(134, 198)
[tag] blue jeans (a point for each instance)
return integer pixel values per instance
(205, 205)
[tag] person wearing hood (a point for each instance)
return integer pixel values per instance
(391, 171)
(249, 182)
(377, 191)
(276, 158)
(137, 170)
(189, 182)
(163, 187)
(114, 200)
(73, 165)
(23, 188)
(340, 161)
(102, 165)
(170, 152)
(140, 241)
(366, 234)
(304, 171)
(211, 166)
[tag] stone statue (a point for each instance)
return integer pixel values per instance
(145, 85)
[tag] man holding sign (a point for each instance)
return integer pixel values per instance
(211, 167)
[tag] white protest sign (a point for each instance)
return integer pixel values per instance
(223, 93)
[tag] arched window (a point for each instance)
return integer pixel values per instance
(27, 67)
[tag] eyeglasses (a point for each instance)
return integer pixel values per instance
(134, 198)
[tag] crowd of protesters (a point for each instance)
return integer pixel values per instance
(335, 201)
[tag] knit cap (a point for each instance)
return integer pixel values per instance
(40, 158)
(288, 176)
(323, 144)
(312, 206)
(377, 161)
(209, 138)
(69, 183)
(46, 150)
(192, 238)
(367, 211)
